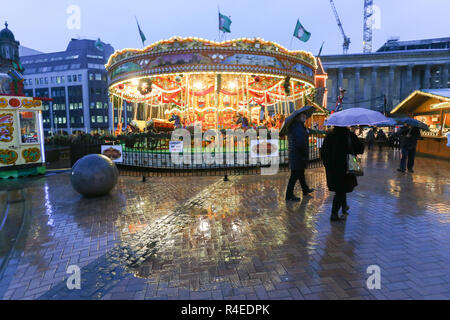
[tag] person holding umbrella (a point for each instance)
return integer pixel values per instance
(336, 148)
(409, 135)
(298, 146)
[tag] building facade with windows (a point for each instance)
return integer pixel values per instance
(380, 80)
(76, 80)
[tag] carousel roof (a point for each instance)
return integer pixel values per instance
(193, 55)
(180, 43)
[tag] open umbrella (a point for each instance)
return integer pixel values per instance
(390, 123)
(356, 117)
(413, 122)
(308, 110)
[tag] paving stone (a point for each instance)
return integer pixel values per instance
(203, 238)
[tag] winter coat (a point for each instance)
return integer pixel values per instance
(298, 146)
(408, 137)
(334, 153)
(370, 136)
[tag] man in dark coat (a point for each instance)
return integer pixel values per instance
(370, 138)
(334, 153)
(408, 143)
(298, 145)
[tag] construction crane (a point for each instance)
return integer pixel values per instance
(346, 43)
(368, 26)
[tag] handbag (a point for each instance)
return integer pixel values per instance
(354, 166)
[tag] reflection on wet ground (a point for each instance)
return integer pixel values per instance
(203, 238)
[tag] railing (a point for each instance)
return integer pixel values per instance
(150, 154)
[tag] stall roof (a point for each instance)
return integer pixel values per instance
(420, 96)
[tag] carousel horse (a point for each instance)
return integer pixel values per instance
(150, 126)
(134, 126)
(177, 120)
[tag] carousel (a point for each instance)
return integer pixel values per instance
(188, 82)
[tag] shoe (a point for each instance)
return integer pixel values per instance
(293, 198)
(345, 210)
(410, 170)
(306, 192)
(335, 217)
(400, 170)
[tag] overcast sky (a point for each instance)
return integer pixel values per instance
(42, 25)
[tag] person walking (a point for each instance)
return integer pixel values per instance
(408, 142)
(381, 139)
(298, 145)
(370, 138)
(336, 146)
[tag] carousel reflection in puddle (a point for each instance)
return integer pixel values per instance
(220, 234)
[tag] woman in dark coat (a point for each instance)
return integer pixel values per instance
(334, 153)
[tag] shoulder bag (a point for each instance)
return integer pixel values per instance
(354, 166)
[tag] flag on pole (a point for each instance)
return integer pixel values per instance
(143, 38)
(301, 33)
(224, 23)
(99, 44)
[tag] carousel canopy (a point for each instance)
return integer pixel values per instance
(179, 70)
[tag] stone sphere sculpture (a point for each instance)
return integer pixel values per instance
(94, 175)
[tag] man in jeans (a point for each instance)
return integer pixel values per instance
(298, 144)
(408, 143)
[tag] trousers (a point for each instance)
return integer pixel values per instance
(296, 175)
(407, 154)
(339, 201)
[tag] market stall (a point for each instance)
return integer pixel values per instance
(21, 137)
(432, 107)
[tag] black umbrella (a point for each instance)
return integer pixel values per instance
(412, 122)
(307, 110)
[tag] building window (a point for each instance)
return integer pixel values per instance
(79, 77)
(91, 76)
(98, 76)
(92, 119)
(92, 106)
(99, 119)
(99, 105)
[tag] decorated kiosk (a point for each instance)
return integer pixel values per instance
(21, 137)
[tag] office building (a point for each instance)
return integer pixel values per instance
(76, 80)
(386, 77)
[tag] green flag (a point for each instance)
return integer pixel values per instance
(224, 23)
(301, 33)
(143, 38)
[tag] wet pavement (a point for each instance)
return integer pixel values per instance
(204, 238)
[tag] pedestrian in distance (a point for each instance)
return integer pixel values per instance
(381, 139)
(337, 145)
(370, 138)
(298, 145)
(408, 136)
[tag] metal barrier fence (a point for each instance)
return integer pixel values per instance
(150, 155)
